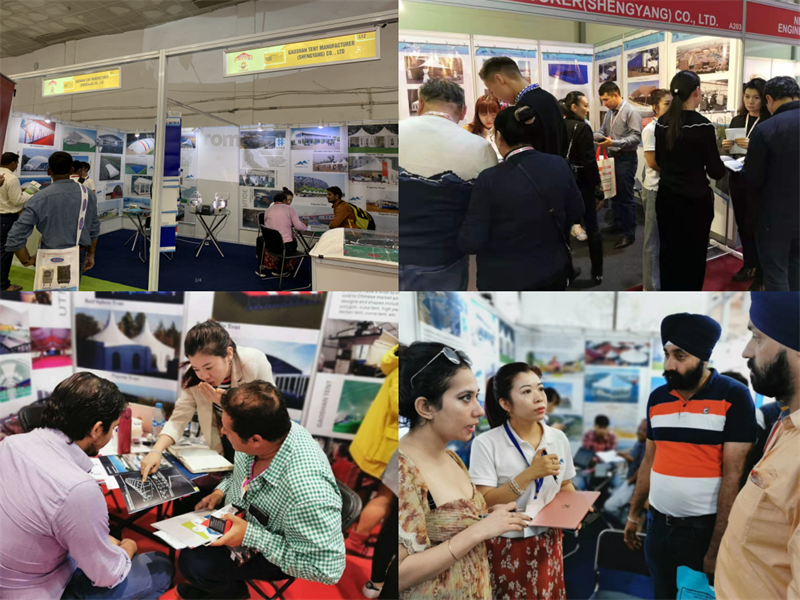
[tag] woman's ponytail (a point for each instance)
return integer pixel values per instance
(682, 87)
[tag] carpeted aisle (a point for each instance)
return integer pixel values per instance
(210, 271)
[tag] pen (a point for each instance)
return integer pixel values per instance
(555, 477)
(487, 514)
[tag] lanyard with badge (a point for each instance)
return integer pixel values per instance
(538, 482)
(60, 269)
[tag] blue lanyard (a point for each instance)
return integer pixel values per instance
(538, 482)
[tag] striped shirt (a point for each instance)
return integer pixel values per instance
(299, 494)
(689, 436)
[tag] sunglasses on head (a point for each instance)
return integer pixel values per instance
(454, 356)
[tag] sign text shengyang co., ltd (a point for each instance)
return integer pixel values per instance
(351, 47)
(85, 82)
(706, 14)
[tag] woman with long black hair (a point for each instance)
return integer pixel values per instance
(752, 112)
(581, 156)
(687, 154)
(216, 364)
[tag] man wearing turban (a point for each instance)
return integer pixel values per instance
(700, 428)
(760, 553)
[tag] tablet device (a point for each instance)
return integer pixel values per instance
(566, 510)
(583, 458)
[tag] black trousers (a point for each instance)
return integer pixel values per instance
(590, 212)
(6, 258)
(666, 548)
(745, 213)
(213, 571)
(386, 546)
(684, 226)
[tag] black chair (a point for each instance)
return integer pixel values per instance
(274, 246)
(351, 509)
(30, 417)
(613, 554)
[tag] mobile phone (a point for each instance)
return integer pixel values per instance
(222, 526)
(590, 518)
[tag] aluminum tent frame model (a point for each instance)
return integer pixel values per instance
(276, 37)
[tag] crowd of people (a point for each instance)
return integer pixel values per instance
(506, 194)
(711, 480)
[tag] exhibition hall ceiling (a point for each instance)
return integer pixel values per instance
(30, 25)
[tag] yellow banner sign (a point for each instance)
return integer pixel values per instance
(86, 82)
(311, 53)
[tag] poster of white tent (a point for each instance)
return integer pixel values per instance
(144, 144)
(51, 347)
(74, 139)
(329, 162)
(251, 139)
(15, 378)
(110, 142)
(38, 133)
(126, 342)
(264, 178)
(381, 139)
(15, 335)
(141, 185)
(317, 185)
(35, 159)
(618, 353)
(110, 168)
(570, 390)
(373, 169)
(640, 92)
(292, 364)
(611, 385)
(108, 209)
(43, 182)
(139, 165)
(318, 139)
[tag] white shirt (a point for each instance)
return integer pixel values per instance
(88, 182)
(651, 176)
(12, 198)
(495, 460)
(432, 145)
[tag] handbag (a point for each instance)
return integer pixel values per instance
(575, 168)
(571, 274)
(608, 177)
(60, 269)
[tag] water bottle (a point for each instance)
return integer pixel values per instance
(124, 432)
(158, 420)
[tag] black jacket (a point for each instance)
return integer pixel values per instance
(772, 169)
(508, 226)
(582, 153)
(695, 155)
(549, 131)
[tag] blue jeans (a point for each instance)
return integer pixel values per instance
(623, 206)
(666, 548)
(6, 258)
(444, 278)
(213, 571)
(149, 577)
(651, 276)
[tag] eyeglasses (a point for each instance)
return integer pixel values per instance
(454, 356)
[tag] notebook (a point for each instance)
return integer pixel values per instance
(199, 459)
(566, 510)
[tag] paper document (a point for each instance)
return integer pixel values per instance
(610, 456)
(199, 459)
(188, 531)
(733, 164)
(735, 134)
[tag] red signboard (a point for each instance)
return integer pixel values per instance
(774, 21)
(707, 14)
(385, 169)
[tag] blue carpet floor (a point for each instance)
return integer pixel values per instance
(210, 271)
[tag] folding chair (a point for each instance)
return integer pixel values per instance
(351, 509)
(274, 246)
(614, 555)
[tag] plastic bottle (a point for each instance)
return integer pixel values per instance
(124, 432)
(158, 420)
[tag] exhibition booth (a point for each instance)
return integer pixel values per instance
(246, 113)
(602, 352)
(325, 352)
(577, 46)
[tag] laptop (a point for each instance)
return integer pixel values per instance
(566, 510)
(583, 458)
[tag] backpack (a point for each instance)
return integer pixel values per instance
(364, 220)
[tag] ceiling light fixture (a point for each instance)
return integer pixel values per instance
(47, 118)
(259, 126)
(137, 133)
(320, 124)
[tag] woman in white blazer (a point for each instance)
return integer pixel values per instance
(216, 365)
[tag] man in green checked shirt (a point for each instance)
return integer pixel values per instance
(281, 477)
